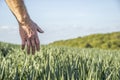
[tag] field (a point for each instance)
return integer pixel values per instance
(59, 63)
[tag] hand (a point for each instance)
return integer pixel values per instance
(29, 36)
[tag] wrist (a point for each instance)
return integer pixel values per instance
(24, 20)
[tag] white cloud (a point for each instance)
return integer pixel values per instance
(4, 27)
(7, 27)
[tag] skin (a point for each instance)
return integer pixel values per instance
(27, 28)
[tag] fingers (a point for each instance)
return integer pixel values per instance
(23, 40)
(23, 44)
(28, 46)
(37, 43)
(33, 45)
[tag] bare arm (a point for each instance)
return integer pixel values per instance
(28, 29)
(19, 10)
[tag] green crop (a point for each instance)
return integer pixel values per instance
(60, 63)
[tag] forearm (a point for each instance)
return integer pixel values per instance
(19, 10)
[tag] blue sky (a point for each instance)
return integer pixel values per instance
(63, 19)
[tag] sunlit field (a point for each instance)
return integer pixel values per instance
(59, 63)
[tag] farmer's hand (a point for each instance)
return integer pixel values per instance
(28, 29)
(29, 36)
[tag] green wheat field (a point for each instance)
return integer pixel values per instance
(59, 63)
(93, 57)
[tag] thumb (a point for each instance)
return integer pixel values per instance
(40, 30)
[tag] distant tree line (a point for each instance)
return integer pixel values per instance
(103, 41)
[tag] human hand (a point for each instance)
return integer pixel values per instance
(29, 36)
